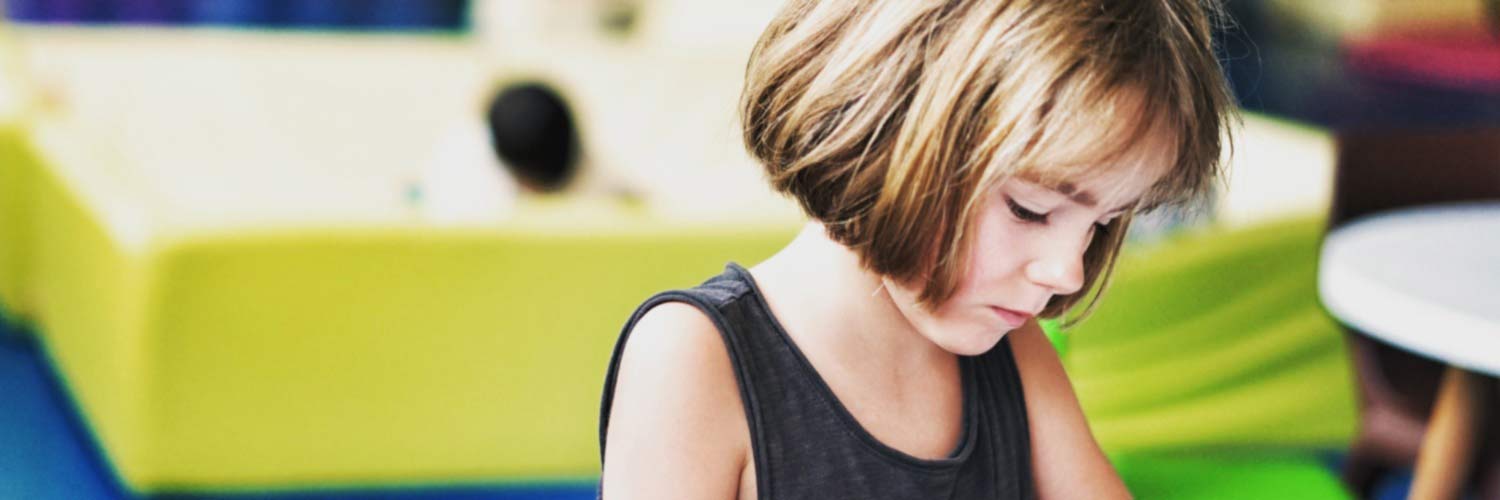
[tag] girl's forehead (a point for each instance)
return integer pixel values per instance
(1117, 131)
(1105, 182)
(1103, 165)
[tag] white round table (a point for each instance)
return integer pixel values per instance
(1427, 279)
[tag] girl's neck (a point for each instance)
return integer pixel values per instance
(821, 294)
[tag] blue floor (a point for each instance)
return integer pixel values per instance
(41, 453)
(45, 453)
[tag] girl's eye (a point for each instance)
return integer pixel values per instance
(1023, 213)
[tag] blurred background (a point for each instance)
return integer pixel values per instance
(446, 15)
(383, 248)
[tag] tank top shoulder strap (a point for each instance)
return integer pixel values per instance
(719, 298)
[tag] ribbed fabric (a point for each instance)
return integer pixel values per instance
(806, 443)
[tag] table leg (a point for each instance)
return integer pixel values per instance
(1451, 438)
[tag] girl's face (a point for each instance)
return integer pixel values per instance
(1027, 247)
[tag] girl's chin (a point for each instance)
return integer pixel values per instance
(974, 344)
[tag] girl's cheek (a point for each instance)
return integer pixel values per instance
(1004, 241)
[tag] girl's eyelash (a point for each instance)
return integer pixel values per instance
(1024, 214)
(1030, 216)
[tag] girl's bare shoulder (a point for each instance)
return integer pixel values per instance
(1067, 461)
(677, 427)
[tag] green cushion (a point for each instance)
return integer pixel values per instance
(1216, 338)
(1211, 476)
(17, 170)
(352, 356)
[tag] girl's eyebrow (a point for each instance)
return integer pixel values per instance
(1085, 198)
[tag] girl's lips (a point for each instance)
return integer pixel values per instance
(1012, 318)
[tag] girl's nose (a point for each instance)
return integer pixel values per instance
(1059, 270)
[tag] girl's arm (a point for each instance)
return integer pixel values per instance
(677, 428)
(1066, 461)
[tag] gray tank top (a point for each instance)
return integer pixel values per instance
(807, 445)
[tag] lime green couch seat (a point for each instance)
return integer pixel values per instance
(17, 167)
(212, 239)
(321, 356)
(1209, 370)
(1216, 339)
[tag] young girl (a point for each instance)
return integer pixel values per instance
(968, 166)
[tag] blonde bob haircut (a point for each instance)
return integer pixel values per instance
(888, 120)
